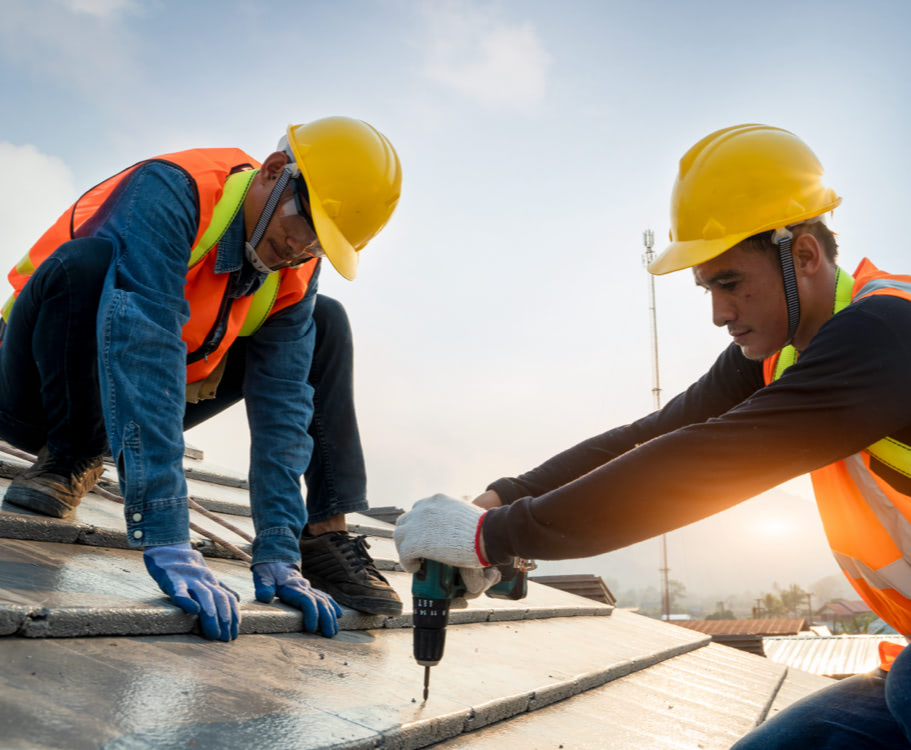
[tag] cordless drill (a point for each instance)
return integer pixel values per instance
(433, 587)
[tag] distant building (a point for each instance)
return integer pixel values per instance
(841, 614)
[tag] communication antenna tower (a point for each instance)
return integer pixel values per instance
(648, 239)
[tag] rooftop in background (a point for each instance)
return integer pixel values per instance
(762, 627)
(581, 584)
(834, 656)
(745, 635)
(843, 608)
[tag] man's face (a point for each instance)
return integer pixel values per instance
(289, 238)
(748, 299)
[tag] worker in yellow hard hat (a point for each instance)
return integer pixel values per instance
(172, 290)
(814, 381)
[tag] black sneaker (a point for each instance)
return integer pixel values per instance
(339, 564)
(53, 487)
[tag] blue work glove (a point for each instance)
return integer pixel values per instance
(182, 574)
(284, 580)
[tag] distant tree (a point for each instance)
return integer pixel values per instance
(770, 606)
(856, 625)
(676, 593)
(643, 598)
(721, 613)
(794, 600)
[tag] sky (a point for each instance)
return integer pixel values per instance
(502, 315)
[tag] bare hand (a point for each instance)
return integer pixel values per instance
(488, 500)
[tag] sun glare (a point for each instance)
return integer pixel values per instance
(774, 527)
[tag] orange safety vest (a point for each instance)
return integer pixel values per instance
(221, 177)
(866, 520)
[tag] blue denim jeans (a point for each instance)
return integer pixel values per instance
(863, 712)
(49, 378)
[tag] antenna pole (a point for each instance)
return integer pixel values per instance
(648, 240)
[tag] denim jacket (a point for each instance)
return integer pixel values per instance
(151, 220)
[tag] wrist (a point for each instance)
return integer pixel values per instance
(479, 548)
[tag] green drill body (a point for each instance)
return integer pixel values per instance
(433, 587)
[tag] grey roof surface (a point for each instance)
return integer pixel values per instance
(94, 655)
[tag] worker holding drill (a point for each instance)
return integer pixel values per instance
(169, 292)
(815, 380)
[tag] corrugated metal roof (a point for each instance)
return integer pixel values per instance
(779, 626)
(830, 656)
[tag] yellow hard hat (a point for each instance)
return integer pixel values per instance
(354, 180)
(738, 182)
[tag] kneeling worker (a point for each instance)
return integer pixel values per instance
(172, 290)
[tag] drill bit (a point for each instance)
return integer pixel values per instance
(426, 683)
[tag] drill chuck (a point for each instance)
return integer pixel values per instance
(430, 619)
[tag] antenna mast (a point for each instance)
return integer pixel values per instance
(648, 240)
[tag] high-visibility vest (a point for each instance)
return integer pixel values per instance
(866, 520)
(221, 178)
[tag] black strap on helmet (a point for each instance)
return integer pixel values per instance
(789, 277)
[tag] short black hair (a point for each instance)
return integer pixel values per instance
(825, 236)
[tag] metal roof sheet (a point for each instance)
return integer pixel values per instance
(831, 656)
(779, 626)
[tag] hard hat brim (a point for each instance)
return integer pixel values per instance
(680, 255)
(685, 254)
(339, 251)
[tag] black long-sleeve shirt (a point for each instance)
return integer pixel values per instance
(724, 440)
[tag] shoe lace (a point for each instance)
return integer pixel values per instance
(354, 548)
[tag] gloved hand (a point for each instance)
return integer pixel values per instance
(285, 580)
(444, 529)
(181, 572)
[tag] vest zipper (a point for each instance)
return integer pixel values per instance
(216, 333)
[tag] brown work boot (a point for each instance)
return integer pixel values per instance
(339, 564)
(53, 487)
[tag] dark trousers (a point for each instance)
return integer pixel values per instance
(49, 378)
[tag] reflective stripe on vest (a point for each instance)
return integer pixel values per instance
(895, 575)
(844, 285)
(235, 192)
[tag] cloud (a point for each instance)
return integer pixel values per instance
(37, 189)
(99, 8)
(498, 64)
(83, 44)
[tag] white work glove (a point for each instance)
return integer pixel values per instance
(444, 529)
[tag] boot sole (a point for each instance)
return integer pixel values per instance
(30, 499)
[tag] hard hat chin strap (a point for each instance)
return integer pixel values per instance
(782, 237)
(268, 211)
(265, 217)
(254, 259)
